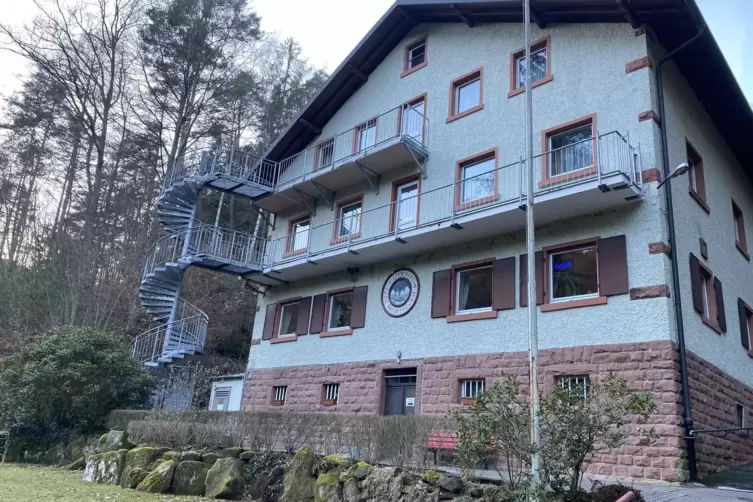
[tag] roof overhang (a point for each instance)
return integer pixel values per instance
(672, 21)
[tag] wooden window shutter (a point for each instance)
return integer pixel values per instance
(304, 312)
(441, 292)
(358, 314)
(721, 317)
(539, 260)
(317, 313)
(613, 268)
(696, 284)
(503, 283)
(269, 322)
(742, 312)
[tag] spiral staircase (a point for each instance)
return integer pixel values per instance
(181, 328)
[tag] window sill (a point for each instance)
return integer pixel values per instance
(407, 72)
(329, 402)
(521, 90)
(277, 403)
(467, 401)
(465, 113)
(574, 304)
(701, 202)
(340, 240)
(339, 332)
(476, 203)
(472, 317)
(285, 339)
(742, 250)
(711, 324)
(573, 175)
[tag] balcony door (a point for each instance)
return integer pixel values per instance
(407, 205)
(413, 119)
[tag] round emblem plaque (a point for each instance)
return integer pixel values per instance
(400, 292)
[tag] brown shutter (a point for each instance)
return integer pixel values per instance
(441, 290)
(613, 269)
(317, 313)
(539, 261)
(503, 283)
(358, 314)
(742, 312)
(304, 312)
(696, 284)
(269, 322)
(721, 317)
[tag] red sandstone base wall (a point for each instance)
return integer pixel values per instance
(713, 399)
(648, 366)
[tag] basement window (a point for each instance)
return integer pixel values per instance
(279, 394)
(471, 389)
(331, 394)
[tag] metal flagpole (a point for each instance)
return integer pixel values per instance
(533, 336)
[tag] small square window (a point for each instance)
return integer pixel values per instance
(279, 394)
(415, 56)
(571, 150)
(573, 274)
(578, 386)
(331, 394)
(740, 415)
(298, 237)
(466, 94)
(470, 389)
(739, 226)
(366, 135)
(349, 224)
(340, 311)
(473, 291)
(538, 67)
(288, 319)
(324, 154)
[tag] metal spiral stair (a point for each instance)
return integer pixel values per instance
(181, 327)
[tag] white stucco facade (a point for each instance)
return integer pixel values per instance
(227, 393)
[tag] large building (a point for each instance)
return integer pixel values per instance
(394, 273)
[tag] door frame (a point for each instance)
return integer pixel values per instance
(418, 368)
(396, 185)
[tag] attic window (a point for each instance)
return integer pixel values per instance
(415, 56)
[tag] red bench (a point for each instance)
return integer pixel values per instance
(447, 441)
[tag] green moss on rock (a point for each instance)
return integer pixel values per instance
(299, 483)
(171, 455)
(134, 477)
(224, 479)
(190, 478)
(209, 458)
(233, 452)
(190, 456)
(432, 477)
(158, 481)
(328, 487)
(137, 457)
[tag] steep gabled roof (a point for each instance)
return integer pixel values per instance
(672, 21)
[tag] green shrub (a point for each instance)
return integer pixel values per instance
(68, 383)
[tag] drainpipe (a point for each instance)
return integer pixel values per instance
(686, 409)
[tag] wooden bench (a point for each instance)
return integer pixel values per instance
(447, 442)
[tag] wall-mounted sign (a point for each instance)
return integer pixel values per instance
(400, 292)
(410, 402)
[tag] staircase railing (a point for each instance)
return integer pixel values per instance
(208, 242)
(229, 162)
(187, 332)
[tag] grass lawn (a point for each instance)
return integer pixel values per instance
(21, 483)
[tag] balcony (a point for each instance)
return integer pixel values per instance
(396, 138)
(586, 177)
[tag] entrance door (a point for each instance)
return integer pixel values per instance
(407, 205)
(400, 398)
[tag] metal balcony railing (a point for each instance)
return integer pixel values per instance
(187, 333)
(560, 168)
(208, 242)
(406, 123)
(222, 161)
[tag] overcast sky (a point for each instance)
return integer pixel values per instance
(329, 29)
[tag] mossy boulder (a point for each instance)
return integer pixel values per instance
(115, 440)
(171, 455)
(333, 463)
(209, 458)
(158, 481)
(190, 456)
(264, 472)
(81, 446)
(190, 478)
(105, 468)
(299, 481)
(328, 488)
(133, 477)
(141, 456)
(359, 472)
(248, 455)
(225, 479)
(233, 452)
(432, 477)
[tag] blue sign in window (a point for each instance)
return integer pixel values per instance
(563, 265)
